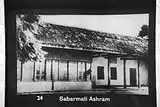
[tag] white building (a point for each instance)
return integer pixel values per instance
(81, 59)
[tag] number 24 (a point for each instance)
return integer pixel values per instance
(39, 97)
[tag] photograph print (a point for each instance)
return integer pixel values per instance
(82, 54)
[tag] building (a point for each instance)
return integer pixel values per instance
(81, 59)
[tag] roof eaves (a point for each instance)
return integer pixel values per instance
(83, 49)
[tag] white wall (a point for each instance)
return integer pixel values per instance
(120, 73)
(100, 61)
(87, 85)
(143, 70)
(26, 86)
(27, 73)
(143, 73)
(131, 64)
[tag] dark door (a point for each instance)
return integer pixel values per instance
(133, 80)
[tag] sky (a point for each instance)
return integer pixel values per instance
(128, 25)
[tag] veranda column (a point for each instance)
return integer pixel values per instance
(21, 71)
(124, 69)
(68, 70)
(52, 76)
(85, 72)
(138, 75)
(91, 71)
(77, 70)
(108, 72)
(33, 71)
(45, 72)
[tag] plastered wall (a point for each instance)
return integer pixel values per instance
(100, 61)
(120, 73)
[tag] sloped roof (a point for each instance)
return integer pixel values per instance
(78, 38)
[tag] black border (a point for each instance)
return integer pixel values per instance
(99, 7)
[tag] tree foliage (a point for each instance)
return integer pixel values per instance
(26, 44)
(144, 31)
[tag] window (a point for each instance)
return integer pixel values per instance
(72, 71)
(84, 71)
(63, 76)
(81, 70)
(113, 73)
(113, 60)
(40, 71)
(88, 71)
(100, 72)
(55, 70)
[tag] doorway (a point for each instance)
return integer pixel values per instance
(133, 79)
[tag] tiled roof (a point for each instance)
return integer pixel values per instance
(83, 39)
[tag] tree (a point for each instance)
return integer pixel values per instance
(26, 44)
(144, 31)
